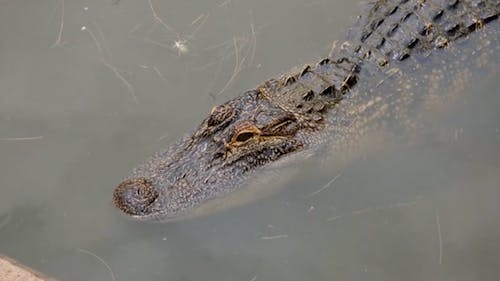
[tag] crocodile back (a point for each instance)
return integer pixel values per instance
(396, 29)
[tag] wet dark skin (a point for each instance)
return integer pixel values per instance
(290, 115)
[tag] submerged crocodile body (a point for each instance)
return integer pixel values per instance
(292, 115)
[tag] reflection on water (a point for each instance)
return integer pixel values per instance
(89, 90)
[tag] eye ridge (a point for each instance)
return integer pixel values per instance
(219, 115)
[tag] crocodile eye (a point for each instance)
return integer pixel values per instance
(242, 137)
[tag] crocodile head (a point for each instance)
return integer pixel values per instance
(236, 138)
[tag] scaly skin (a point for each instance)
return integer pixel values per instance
(290, 115)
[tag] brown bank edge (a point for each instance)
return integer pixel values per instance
(12, 270)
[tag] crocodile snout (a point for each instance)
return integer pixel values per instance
(135, 196)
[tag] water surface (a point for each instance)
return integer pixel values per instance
(88, 89)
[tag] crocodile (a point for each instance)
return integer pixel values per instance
(287, 118)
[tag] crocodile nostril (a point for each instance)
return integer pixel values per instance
(134, 196)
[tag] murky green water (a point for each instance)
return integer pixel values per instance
(88, 89)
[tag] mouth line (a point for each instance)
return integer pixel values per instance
(173, 189)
